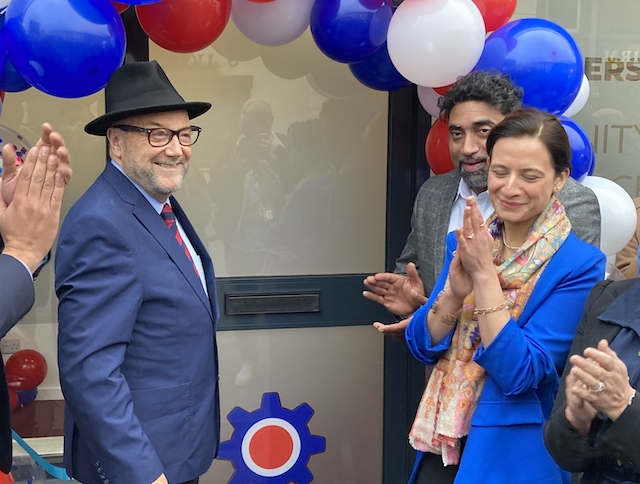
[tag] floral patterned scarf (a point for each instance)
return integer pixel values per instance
(454, 387)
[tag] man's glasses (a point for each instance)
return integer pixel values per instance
(159, 137)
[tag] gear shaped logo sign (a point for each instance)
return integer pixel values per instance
(271, 445)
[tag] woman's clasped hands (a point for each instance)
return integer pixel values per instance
(473, 258)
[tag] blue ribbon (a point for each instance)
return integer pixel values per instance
(53, 471)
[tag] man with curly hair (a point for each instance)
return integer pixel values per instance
(471, 107)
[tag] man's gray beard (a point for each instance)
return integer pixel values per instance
(475, 179)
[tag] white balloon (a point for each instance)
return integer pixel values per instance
(429, 100)
(433, 42)
(272, 23)
(617, 212)
(581, 99)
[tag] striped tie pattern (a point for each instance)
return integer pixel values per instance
(170, 219)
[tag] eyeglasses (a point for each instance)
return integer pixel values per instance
(159, 137)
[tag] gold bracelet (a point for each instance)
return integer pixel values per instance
(478, 312)
(448, 319)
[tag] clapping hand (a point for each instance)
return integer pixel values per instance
(474, 253)
(10, 170)
(601, 380)
(399, 294)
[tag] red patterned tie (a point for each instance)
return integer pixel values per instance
(170, 219)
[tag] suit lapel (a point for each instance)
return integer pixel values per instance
(201, 250)
(154, 224)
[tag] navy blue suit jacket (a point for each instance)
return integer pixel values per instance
(137, 350)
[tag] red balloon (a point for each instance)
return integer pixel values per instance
(184, 25)
(437, 148)
(2, 93)
(6, 478)
(120, 7)
(14, 401)
(25, 369)
(496, 13)
(443, 89)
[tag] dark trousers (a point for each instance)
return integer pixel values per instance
(432, 471)
(193, 481)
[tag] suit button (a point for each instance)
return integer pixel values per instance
(618, 462)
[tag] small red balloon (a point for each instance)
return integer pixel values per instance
(437, 148)
(184, 25)
(496, 13)
(25, 370)
(6, 478)
(120, 7)
(14, 401)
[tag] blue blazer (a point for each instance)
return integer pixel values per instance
(137, 351)
(523, 364)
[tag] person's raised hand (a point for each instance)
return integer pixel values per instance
(399, 294)
(604, 379)
(475, 243)
(578, 412)
(10, 170)
(29, 224)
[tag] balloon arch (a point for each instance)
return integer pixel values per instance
(69, 48)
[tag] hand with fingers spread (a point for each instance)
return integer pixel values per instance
(29, 223)
(603, 380)
(399, 294)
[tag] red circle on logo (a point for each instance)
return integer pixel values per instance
(271, 447)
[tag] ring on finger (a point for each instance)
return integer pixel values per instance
(598, 389)
(470, 236)
(482, 224)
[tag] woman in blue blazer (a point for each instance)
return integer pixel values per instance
(501, 318)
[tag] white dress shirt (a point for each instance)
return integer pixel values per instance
(460, 202)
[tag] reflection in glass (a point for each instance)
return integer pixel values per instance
(288, 176)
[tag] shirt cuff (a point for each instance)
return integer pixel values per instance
(25, 266)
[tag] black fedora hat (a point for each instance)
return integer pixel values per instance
(140, 88)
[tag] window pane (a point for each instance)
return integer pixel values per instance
(608, 36)
(289, 174)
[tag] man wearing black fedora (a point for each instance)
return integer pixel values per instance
(138, 309)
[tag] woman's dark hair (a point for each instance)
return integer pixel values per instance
(532, 123)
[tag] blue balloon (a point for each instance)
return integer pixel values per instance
(593, 163)
(582, 154)
(539, 56)
(66, 48)
(350, 30)
(25, 397)
(11, 80)
(378, 72)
